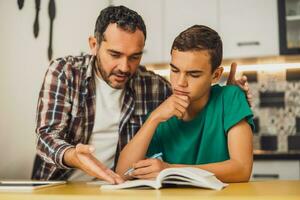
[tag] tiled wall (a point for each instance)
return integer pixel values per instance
(276, 109)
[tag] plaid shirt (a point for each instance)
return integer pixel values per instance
(66, 111)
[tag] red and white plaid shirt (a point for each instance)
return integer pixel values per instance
(66, 111)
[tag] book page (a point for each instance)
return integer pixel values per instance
(133, 184)
(188, 172)
(191, 176)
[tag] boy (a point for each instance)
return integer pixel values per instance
(200, 125)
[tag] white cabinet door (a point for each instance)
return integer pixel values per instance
(179, 15)
(249, 28)
(283, 170)
(151, 12)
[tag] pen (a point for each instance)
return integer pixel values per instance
(158, 155)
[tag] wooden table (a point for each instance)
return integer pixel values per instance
(283, 190)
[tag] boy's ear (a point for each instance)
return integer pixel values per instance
(93, 45)
(217, 74)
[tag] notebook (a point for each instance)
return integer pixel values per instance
(187, 176)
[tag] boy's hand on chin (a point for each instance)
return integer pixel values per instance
(175, 105)
(148, 168)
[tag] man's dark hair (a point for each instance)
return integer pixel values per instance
(198, 38)
(125, 18)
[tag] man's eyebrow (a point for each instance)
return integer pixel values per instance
(172, 65)
(114, 51)
(137, 54)
(118, 52)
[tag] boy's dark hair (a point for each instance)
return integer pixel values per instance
(125, 18)
(198, 38)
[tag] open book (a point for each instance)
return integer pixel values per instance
(187, 176)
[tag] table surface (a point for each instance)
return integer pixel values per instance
(252, 190)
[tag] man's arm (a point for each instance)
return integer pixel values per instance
(237, 169)
(53, 114)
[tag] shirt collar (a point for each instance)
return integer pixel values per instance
(91, 67)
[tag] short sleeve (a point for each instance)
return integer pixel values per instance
(236, 108)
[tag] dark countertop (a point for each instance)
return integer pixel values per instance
(275, 155)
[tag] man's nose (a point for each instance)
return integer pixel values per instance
(124, 65)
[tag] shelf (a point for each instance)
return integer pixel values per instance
(293, 18)
(273, 155)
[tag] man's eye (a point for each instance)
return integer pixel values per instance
(135, 57)
(115, 55)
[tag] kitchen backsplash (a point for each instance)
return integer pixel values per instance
(276, 108)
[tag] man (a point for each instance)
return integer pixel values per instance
(100, 99)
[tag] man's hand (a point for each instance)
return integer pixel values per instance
(81, 157)
(175, 105)
(148, 169)
(242, 83)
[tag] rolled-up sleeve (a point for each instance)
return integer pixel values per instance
(53, 110)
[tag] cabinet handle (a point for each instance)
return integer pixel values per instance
(251, 43)
(273, 176)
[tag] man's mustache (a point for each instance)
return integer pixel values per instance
(120, 73)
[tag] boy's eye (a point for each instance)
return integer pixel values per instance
(195, 75)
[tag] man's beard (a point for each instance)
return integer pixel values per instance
(105, 76)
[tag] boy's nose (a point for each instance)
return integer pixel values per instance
(182, 82)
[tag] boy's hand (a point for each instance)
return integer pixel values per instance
(148, 169)
(242, 83)
(175, 105)
(82, 158)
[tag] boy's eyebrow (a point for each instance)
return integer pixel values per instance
(189, 71)
(118, 52)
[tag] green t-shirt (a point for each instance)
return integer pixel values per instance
(203, 139)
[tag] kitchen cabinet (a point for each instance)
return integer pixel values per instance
(276, 169)
(249, 28)
(179, 15)
(152, 13)
(289, 26)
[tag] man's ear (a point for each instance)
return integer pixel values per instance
(217, 74)
(93, 45)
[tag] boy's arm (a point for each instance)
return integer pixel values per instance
(137, 148)
(237, 169)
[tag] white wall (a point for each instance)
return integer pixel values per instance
(23, 62)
